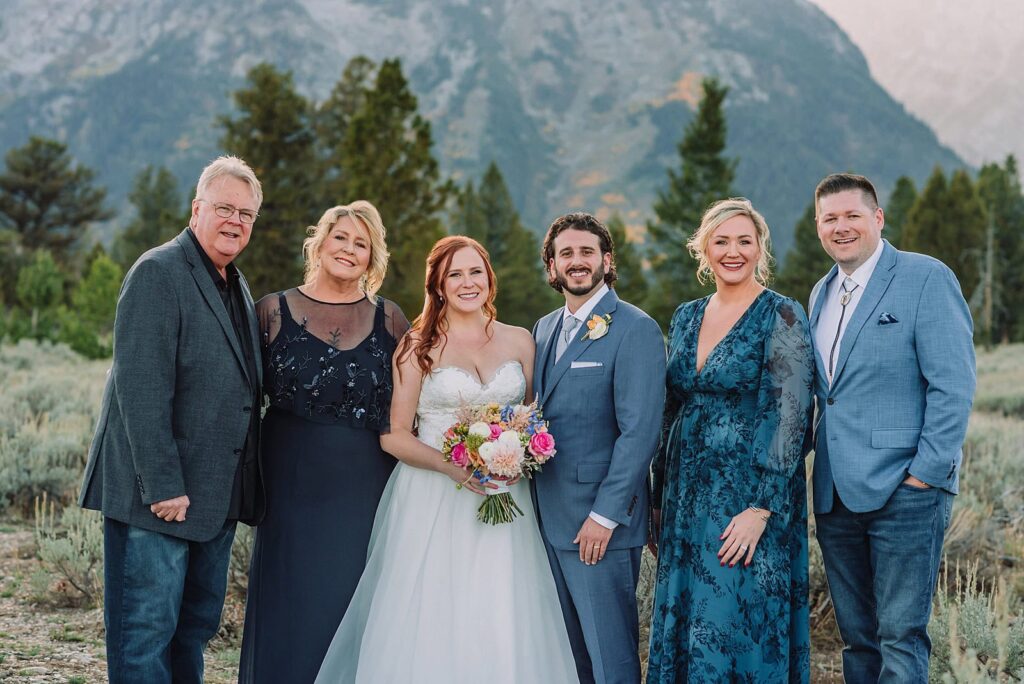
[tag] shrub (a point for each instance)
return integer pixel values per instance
(73, 550)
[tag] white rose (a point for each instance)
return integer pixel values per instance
(480, 429)
(510, 438)
(487, 450)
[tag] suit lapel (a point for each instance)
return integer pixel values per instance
(546, 334)
(578, 345)
(816, 306)
(213, 300)
(877, 286)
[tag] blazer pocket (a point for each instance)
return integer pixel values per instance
(580, 371)
(895, 438)
(592, 472)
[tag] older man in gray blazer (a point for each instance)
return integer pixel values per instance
(895, 382)
(173, 465)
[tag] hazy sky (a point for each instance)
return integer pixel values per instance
(955, 64)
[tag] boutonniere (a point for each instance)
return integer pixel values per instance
(598, 327)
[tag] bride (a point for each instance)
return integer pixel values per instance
(444, 597)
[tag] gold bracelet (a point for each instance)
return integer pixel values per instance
(460, 485)
(759, 510)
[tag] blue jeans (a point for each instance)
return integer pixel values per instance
(162, 602)
(882, 567)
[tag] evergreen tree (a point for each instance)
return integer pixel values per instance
(159, 215)
(94, 298)
(948, 222)
(806, 261)
(46, 200)
(273, 133)
(704, 176)
(386, 159)
(904, 194)
(632, 284)
(333, 117)
(489, 216)
(40, 289)
(12, 258)
(1000, 191)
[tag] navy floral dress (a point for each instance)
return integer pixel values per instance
(735, 436)
(327, 379)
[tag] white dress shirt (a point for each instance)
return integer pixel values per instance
(582, 314)
(832, 310)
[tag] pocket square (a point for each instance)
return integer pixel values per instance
(886, 318)
(585, 364)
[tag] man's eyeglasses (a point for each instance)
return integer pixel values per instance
(227, 211)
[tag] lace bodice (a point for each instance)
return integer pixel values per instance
(447, 388)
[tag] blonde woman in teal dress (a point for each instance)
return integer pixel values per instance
(731, 598)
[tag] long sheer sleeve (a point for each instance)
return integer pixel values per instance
(784, 407)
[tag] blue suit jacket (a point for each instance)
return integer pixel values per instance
(606, 420)
(903, 385)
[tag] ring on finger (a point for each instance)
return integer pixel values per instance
(743, 547)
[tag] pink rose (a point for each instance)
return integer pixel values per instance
(460, 455)
(495, 431)
(542, 446)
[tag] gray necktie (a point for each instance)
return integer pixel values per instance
(569, 324)
(846, 294)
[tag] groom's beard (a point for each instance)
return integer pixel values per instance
(596, 278)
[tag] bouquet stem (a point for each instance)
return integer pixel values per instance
(498, 508)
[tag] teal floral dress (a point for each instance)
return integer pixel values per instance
(735, 436)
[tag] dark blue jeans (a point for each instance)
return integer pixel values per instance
(882, 568)
(162, 602)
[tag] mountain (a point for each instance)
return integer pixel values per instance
(581, 102)
(955, 65)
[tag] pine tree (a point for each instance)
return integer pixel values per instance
(948, 222)
(489, 216)
(386, 159)
(333, 117)
(1000, 191)
(159, 215)
(903, 196)
(806, 261)
(40, 289)
(273, 133)
(632, 283)
(47, 200)
(704, 176)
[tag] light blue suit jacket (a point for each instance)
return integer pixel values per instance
(606, 420)
(903, 385)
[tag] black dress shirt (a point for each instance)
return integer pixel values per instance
(243, 493)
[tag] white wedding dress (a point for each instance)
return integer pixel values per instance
(446, 598)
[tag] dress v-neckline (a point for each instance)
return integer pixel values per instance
(735, 326)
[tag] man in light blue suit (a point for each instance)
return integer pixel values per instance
(894, 386)
(600, 378)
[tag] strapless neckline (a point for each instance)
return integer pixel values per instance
(472, 376)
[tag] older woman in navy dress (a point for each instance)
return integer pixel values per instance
(327, 348)
(731, 595)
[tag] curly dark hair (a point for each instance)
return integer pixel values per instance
(578, 220)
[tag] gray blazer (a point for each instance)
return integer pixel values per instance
(605, 414)
(178, 398)
(903, 385)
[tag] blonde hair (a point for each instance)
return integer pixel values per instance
(364, 213)
(229, 166)
(717, 214)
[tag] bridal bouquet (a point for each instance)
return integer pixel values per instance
(500, 443)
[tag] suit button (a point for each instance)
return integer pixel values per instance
(247, 409)
(237, 452)
(830, 401)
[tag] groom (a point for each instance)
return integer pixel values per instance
(599, 374)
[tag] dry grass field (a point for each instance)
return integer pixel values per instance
(51, 626)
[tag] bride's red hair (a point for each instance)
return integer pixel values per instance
(429, 328)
